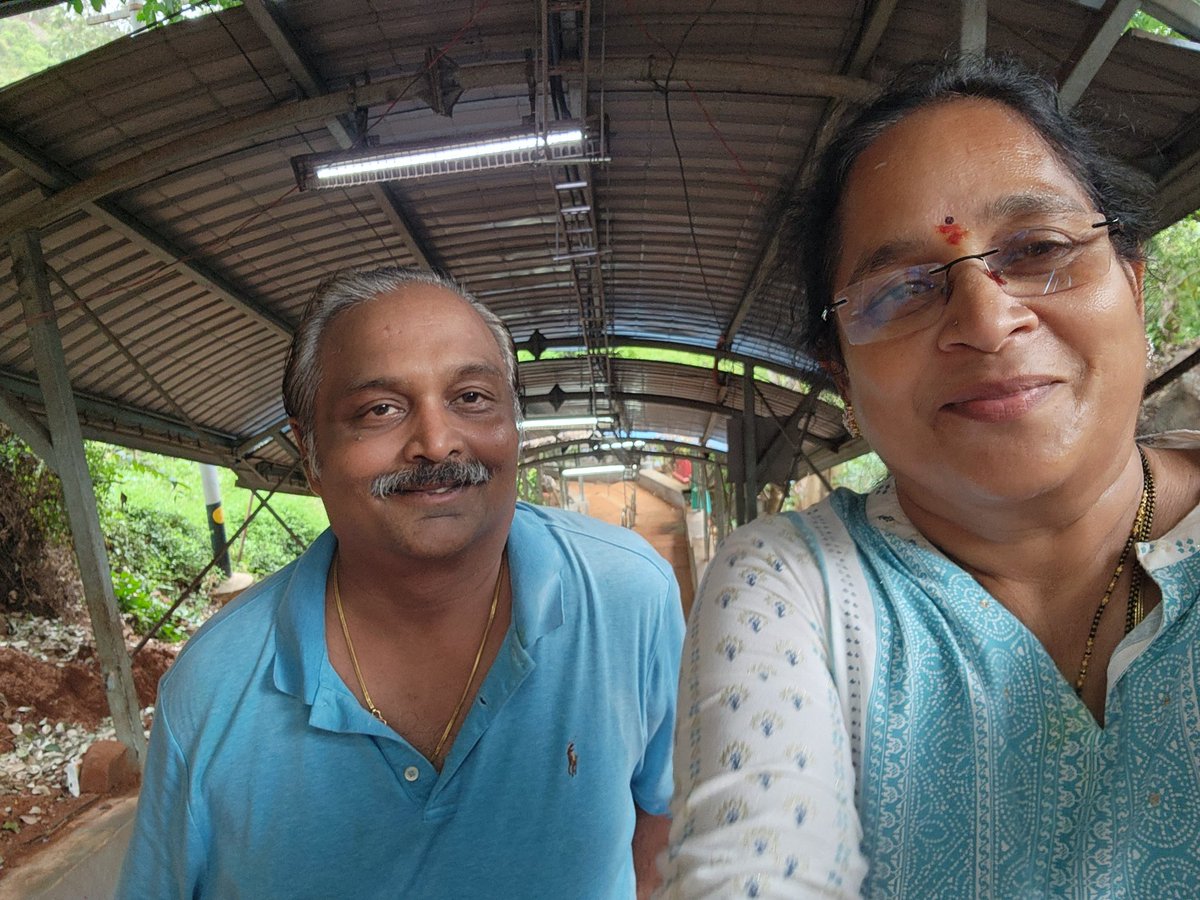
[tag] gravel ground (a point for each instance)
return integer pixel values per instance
(52, 708)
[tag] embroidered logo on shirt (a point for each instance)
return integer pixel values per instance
(572, 759)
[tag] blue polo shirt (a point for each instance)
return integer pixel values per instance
(267, 778)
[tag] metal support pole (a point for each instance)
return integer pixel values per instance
(46, 345)
(721, 501)
(735, 484)
(211, 485)
(749, 447)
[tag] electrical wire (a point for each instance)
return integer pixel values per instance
(737, 160)
(687, 197)
(723, 339)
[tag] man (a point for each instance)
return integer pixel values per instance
(450, 694)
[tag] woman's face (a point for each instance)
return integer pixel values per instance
(998, 398)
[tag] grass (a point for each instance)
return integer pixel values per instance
(148, 481)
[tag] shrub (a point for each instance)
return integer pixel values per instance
(162, 546)
(142, 606)
(37, 567)
(269, 547)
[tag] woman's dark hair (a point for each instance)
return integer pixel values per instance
(811, 233)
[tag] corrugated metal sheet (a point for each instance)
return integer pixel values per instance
(196, 252)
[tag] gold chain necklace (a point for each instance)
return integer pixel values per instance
(362, 685)
(1140, 531)
(1135, 609)
(437, 751)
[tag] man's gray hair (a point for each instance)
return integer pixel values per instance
(344, 290)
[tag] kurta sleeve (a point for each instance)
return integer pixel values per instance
(764, 796)
(166, 851)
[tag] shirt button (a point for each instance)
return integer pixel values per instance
(412, 773)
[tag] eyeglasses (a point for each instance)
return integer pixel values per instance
(1032, 262)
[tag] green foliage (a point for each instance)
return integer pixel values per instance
(34, 487)
(163, 546)
(37, 572)
(158, 12)
(859, 474)
(165, 494)
(1145, 22)
(141, 605)
(35, 41)
(38, 40)
(153, 518)
(268, 546)
(1173, 286)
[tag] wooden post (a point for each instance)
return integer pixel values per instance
(749, 447)
(973, 31)
(46, 345)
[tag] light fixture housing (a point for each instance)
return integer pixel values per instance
(565, 142)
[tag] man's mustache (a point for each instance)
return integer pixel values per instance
(423, 476)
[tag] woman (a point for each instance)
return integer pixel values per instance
(981, 679)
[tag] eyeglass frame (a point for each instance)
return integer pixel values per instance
(1112, 223)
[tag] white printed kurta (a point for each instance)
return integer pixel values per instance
(858, 714)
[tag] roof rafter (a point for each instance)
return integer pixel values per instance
(103, 419)
(545, 453)
(50, 174)
(17, 416)
(1179, 188)
(864, 50)
(207, 142)
(669, 400)
(619, 341)
(270, 20)
(1096, 42)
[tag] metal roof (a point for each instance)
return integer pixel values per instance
(158, 171)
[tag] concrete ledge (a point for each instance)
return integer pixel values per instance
(83, 864)
(664, 487)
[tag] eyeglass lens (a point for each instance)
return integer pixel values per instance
(1030, 263)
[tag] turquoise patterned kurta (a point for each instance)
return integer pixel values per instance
(857, 712)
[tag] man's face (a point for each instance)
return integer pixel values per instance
(413, 385)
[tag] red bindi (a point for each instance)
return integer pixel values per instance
(953, 233)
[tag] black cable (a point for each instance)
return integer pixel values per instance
(687, 198)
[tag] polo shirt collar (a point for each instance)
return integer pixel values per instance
(536, 562)
(300, 622)
(535, 559)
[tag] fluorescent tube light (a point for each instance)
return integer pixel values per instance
(492, 151)
(581, 471)
(562, 422)
(417, 159)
